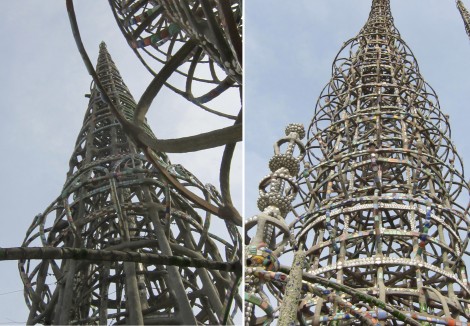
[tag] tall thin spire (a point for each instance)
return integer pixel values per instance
(102, 135)
(380, 9)
(379, 215)
(114, 199)
(465, 15)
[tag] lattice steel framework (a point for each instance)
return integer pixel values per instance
(114, 199)
(195, 49)
(382, 215)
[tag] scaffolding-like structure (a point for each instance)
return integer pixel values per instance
(194, 48)
(157, 29)
(380, 226)
(465, 15)
(114, 199)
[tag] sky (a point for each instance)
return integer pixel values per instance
(42, 85)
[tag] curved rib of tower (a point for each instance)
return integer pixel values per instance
(383, 210)
(114, 199)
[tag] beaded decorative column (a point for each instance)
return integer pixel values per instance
(114, 199)
(385, 199)
(272, 233)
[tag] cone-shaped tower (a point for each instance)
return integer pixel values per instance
(114, 199)
(382, 215)
(465, 16)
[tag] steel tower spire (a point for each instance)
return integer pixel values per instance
(382, 212)
(114, 199)
(383, 196)
(465, 15)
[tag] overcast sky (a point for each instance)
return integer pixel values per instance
(43, 82)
